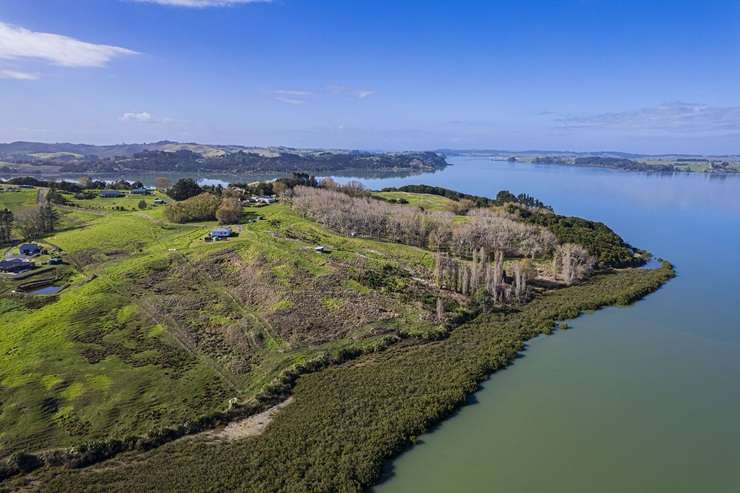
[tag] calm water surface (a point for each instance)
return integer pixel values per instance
(638, 399)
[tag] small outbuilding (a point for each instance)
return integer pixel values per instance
(30, 249)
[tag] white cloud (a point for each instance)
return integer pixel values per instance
(296, 97)
(14, 74)
(349, 91)
(142, 116)
(363, 93)
(20, 43)
(291, 96)
(199, 4)
(145, 117)
(674, 117)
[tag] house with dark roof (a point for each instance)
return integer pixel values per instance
(30, 249)
(111, 194)
(15, 265)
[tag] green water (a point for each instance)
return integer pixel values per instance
(638, 399)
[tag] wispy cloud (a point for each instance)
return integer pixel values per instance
(349, 91)
(199, 4)
(673, 117)
(145, 117)
(20, 43)
(16, 75)
(290, 96)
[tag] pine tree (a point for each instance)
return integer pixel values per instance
(6, 225)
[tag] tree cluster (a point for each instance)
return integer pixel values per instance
(204, 207)
(184, 189)
(493, 230)
(608, 247)
(35, 222)
(369, 217)
(435, 230)
(65, 186)
(484, 277)
(201, 207)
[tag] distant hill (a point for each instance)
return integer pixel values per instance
(168, 156)
(722, 164)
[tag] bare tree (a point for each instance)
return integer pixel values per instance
(230, 211)
(162, 183)
(572, 263)
(328, 183)
(440, 310)
(31, 223)
(279, 187)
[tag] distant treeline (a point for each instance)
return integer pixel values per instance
(605, 162)
(188, 161)
(85, 183)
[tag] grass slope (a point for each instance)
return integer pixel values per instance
(17, 200)
(424, 200)
(117, 353)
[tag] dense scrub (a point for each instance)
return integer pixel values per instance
(608, 247)
(346, 421)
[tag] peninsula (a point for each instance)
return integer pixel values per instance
(180, 318)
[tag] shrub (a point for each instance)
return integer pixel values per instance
(229, 211)
(24, 462)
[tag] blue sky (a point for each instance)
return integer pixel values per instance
(642, 76)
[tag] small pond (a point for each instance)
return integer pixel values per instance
(46, 290)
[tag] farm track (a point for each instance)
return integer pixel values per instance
(180, 335)
(213, 286)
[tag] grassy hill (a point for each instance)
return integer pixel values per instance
(158, 326)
